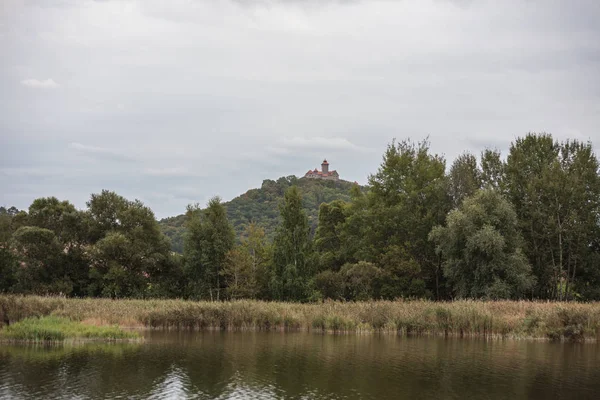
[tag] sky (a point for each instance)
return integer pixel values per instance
(173, 102)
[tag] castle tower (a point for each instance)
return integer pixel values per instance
(325, 167)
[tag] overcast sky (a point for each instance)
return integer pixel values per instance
(172, 102)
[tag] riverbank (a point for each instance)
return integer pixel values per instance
(497, 319)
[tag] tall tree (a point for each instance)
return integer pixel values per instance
(528, 169)
(217, 240)
(291, 249)
(209, 239)
(327, 241)
(575, 189)
(194, 268)
(555, 188)
(408, 197)
(261, 256)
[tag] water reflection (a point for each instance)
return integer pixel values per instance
(219, 365)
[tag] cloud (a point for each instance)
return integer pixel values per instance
(325, 143)
(37, 84)
(29, 172)
(172, 172)
(101, 152)
(244, 90)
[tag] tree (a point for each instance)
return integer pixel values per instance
(528, 169)
(408, 197)
(261, 256)
(327, 241)
(355, 235)
(192, 253)
(8, 261)
(40, 255)
(481, 249)
(210, 238)
(217, 240)
(555, 188)
(290, 271)
(329, 285)
(362, 280)
(492, 170)
(71, 228)
(129, 251)
(401, 274)
(61, 217)
(574, 191)
(465, 178)
(239, 278)
(246, 265)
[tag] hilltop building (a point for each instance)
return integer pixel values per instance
(323, 174)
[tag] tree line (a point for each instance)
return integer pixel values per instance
(524, 226)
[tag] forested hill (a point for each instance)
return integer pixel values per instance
(261, 206)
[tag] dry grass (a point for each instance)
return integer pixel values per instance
(507, 319)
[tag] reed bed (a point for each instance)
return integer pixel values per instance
(490, 319)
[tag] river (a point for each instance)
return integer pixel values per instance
(259, 365)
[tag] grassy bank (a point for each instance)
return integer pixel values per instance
(58, 329)
(556, 321)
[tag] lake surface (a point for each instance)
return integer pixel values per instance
(217, 365)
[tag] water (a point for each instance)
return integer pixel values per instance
(216, 365)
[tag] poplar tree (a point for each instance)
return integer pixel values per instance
(291, 248)
(209, 239)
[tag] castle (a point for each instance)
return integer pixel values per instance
(323, 174)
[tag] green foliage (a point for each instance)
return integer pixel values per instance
(353, 282)
(58, 329)
(41, 256)
(260, 206)
(8, 260)
(402, 274)
(291, 250)
(481, 249)
(407, 198)
(174, 228)
(362, 281)
(555, 188)
(369, 242)
(129, 251)
(464, 178)
(493, 170)
(209, 239)
(246, 266)
(328, 241)
(115, 248)
(329, 285)
(68, 224)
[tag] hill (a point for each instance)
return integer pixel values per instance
(262, 206)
